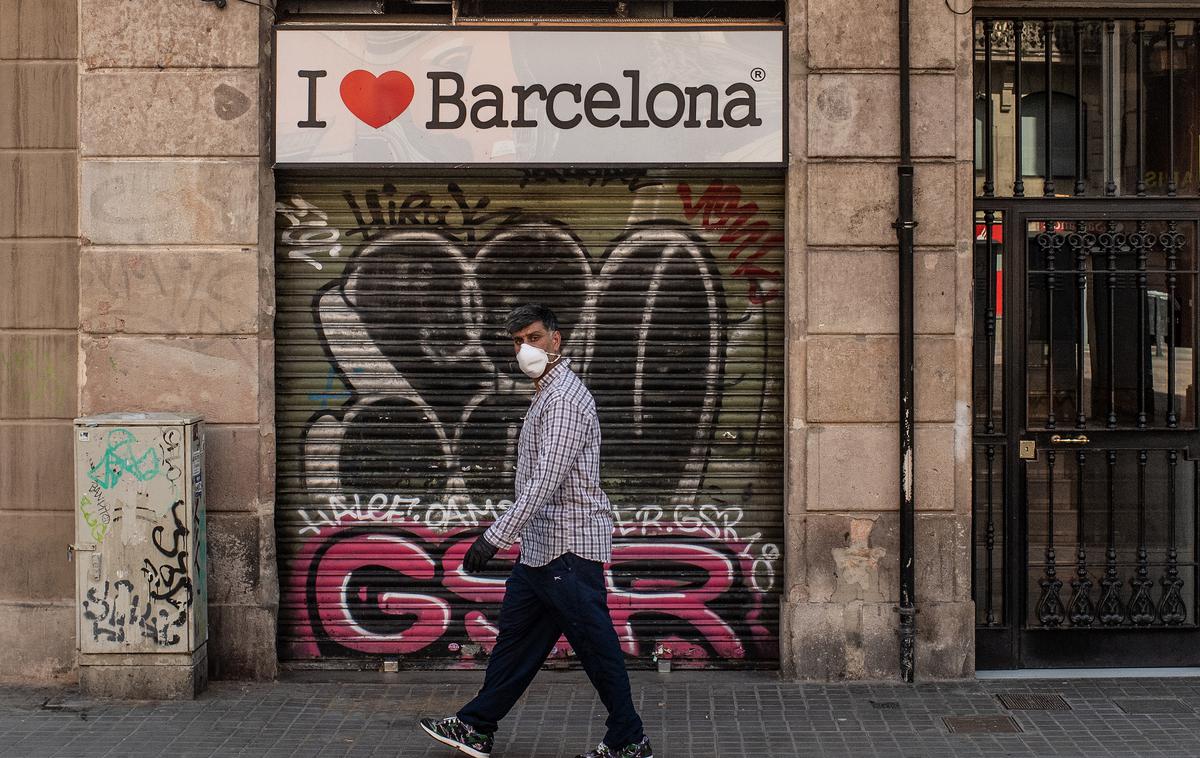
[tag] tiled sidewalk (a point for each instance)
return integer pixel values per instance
(687, 714)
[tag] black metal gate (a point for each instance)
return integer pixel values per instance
(1086, 445)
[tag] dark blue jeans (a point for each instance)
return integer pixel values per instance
(566, 596)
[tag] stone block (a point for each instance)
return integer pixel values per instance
(38, 194)
(935, 458)
(233, 558)
(944, 551)
(231, 467)
(836, 641)
(945, 641)
(815, 645)
(840, 35)
(169, 291)
(41, 104)
(881, 641)
(933, 279)
(214, 376)
(35, 29)
(179, 113)
(131, 680)
(36, 465)
(241, 642)
(33, 560)
(851, 204)
(845, 115)
(855, 379)
(852, 378)
(37, 375)
(934, 115)
(848, 119)
(936, 372)
(855, 292)
(851, 558)
(856, 557)
(43, 277)
(850, 467)
(150, 33)
(37, 642)
(169, 202)
(935, 198)
(855, 204)
(938, 36)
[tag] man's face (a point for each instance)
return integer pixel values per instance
(538, 335)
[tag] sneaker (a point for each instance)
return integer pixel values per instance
(458, 735)
(636, 750)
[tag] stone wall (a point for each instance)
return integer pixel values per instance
(175, 275)
(39, 255)
(843, 433)
(138, 237)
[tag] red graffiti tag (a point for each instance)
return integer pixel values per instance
(722, 209)
(366, 590)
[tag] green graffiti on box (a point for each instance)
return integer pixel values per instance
(95, 515)
(120, 459)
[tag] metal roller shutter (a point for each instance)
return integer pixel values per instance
(399, 402)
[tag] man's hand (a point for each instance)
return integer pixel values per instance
(477, 557)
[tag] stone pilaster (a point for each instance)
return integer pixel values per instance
(843, 479)
(175, 294)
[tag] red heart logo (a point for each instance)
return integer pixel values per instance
(377, 100)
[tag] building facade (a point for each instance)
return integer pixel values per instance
(739, 324)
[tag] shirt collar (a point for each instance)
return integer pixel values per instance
(556, 371)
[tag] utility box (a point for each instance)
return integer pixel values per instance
(141, 573)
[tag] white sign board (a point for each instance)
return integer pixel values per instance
(489, 96)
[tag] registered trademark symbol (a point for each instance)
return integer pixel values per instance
(757, 74)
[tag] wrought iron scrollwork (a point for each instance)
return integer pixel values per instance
(1050, 611)
(1083, 611)
(1112, 609)
(1172, 610)
(1141, 604)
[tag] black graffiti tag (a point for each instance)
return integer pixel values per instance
(118, 608)
(169, 449)
(169, 582)
(634, 179)
(382, 210)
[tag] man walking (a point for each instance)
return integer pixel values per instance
(564, 521)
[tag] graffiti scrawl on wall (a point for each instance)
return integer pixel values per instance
(146, 579)
(399, 401)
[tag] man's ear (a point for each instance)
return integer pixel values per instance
(556, 342)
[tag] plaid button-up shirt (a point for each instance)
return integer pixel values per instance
(559, 504)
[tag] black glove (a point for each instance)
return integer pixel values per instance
(477, 557)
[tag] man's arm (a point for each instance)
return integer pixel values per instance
(562, 434)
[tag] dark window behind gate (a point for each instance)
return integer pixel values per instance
(1085, 429)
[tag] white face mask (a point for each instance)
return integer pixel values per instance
(532, 360)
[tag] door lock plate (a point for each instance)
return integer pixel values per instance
(1028, 450)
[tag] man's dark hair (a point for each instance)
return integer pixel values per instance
(524, 315)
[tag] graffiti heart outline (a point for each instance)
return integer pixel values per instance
(647, 254)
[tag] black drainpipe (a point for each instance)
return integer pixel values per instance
(905, 225)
